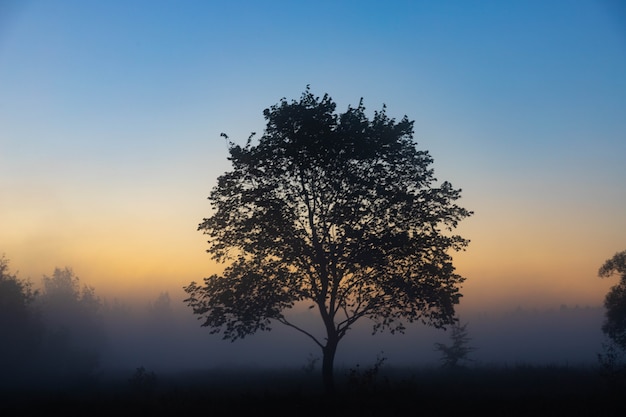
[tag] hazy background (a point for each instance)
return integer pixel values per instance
(110, 115)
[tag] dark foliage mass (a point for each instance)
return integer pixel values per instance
(615, 301)
(336, 210)
(20, 324)
(50, 336)
(75, 332)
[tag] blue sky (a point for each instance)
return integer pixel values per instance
(110, 115)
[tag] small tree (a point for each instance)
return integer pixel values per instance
(615, 301)
(335, 210)
(452, 355)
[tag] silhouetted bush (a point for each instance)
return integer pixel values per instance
(143, 382)
(366, 380)
(613, 367)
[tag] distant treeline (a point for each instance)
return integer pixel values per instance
(58, 333)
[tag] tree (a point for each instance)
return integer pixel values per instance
(335, 210)
(615, 301)
(161, 309)
(458, 350)
(75, 327)
(20, 325)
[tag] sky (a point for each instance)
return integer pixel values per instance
(111, 114)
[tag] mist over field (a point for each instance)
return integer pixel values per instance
(163, 335)
(72, 349)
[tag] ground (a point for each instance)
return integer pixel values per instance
(520, 390)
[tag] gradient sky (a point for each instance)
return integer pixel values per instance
(110, 115)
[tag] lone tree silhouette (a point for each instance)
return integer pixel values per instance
(615, 301)
(334, 210)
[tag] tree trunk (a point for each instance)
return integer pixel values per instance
(328, 362)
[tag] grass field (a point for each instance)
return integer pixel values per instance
(520, 390)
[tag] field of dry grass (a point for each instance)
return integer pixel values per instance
(520, 390)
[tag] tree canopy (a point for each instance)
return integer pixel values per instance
(337, 210)
(53, 335)
(75, 334)
(615, 301)
(20, 324)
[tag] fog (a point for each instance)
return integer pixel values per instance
(168, 337)
(73, 332)
(66, 348)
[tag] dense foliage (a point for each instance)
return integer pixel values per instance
(20, 324)
(55, 334)
(615, 301)
(336, 210)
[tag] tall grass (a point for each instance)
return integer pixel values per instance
(516, 390)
